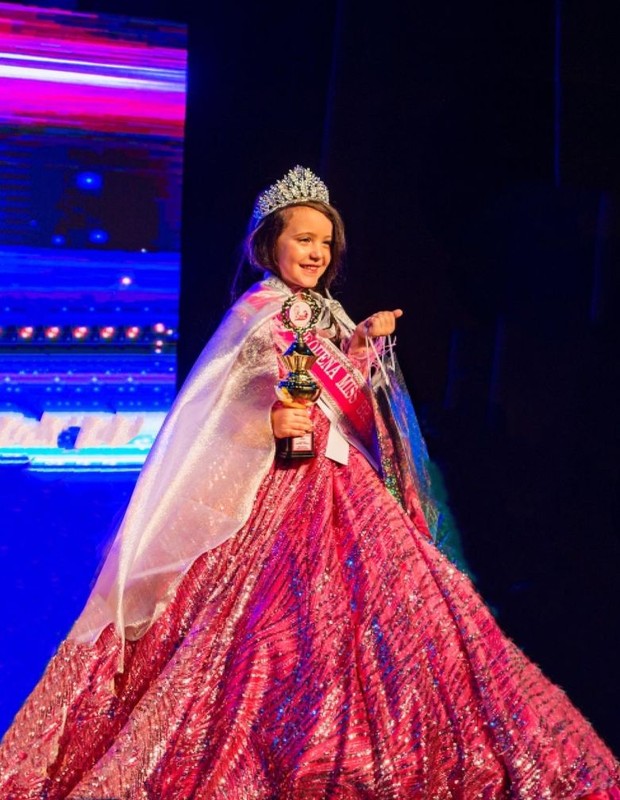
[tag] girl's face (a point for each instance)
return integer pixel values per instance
(303, 249)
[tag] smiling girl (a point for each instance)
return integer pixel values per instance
(276, 631)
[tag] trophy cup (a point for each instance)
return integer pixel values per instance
(299, 389)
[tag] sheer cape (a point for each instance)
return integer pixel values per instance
(200, 479)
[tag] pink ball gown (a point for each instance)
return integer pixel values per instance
(326, 650)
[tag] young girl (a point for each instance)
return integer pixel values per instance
(273, 629)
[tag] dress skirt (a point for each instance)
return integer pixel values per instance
(328, 650)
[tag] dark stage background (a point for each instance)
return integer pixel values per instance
(473, 150)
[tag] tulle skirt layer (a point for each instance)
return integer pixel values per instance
(326, 651)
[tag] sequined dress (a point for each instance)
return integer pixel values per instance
(327, 650)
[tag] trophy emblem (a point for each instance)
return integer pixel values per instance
(300, 313)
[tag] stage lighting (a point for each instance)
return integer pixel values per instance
(81, 332)
(133, 332)
(126, 280)
(26, 332)
(107, 332)
(53, 332)
(98, 236)
(89, 181)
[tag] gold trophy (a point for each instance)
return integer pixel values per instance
(300, 313)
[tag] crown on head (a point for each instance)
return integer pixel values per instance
(299, 184)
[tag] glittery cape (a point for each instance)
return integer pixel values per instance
(202, 474)
(201, 477)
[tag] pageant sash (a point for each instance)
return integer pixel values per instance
(348, 393)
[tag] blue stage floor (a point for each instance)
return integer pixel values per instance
(55, 526)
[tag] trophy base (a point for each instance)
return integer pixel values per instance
(296, 447)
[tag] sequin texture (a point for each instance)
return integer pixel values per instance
(328, 650)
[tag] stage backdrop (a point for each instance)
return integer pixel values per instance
(92, 111)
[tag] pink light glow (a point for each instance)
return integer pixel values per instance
(81, 332)
(84, 77)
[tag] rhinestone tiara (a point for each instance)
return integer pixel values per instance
(299, 184)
